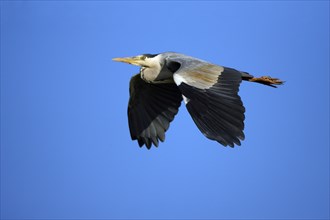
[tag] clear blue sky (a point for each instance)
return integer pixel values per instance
(65, 145)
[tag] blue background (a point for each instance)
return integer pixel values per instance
(65, 145)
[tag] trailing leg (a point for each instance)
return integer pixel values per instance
(266, 80)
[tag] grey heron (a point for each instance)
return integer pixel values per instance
(209, 91)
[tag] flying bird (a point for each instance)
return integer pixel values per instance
(209, 91)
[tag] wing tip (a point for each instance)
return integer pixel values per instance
(148, 142)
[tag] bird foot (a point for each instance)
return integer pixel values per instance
(267, 80)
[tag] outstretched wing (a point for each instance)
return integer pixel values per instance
(211, 96)
(151, 108)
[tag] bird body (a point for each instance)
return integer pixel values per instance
(209, 91)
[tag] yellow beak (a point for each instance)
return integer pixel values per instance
(130, 60)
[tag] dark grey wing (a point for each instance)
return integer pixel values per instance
(211, 96)
(151, 108)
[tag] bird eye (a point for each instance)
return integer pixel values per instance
(143, 57)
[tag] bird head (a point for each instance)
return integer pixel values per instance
(144, 60)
